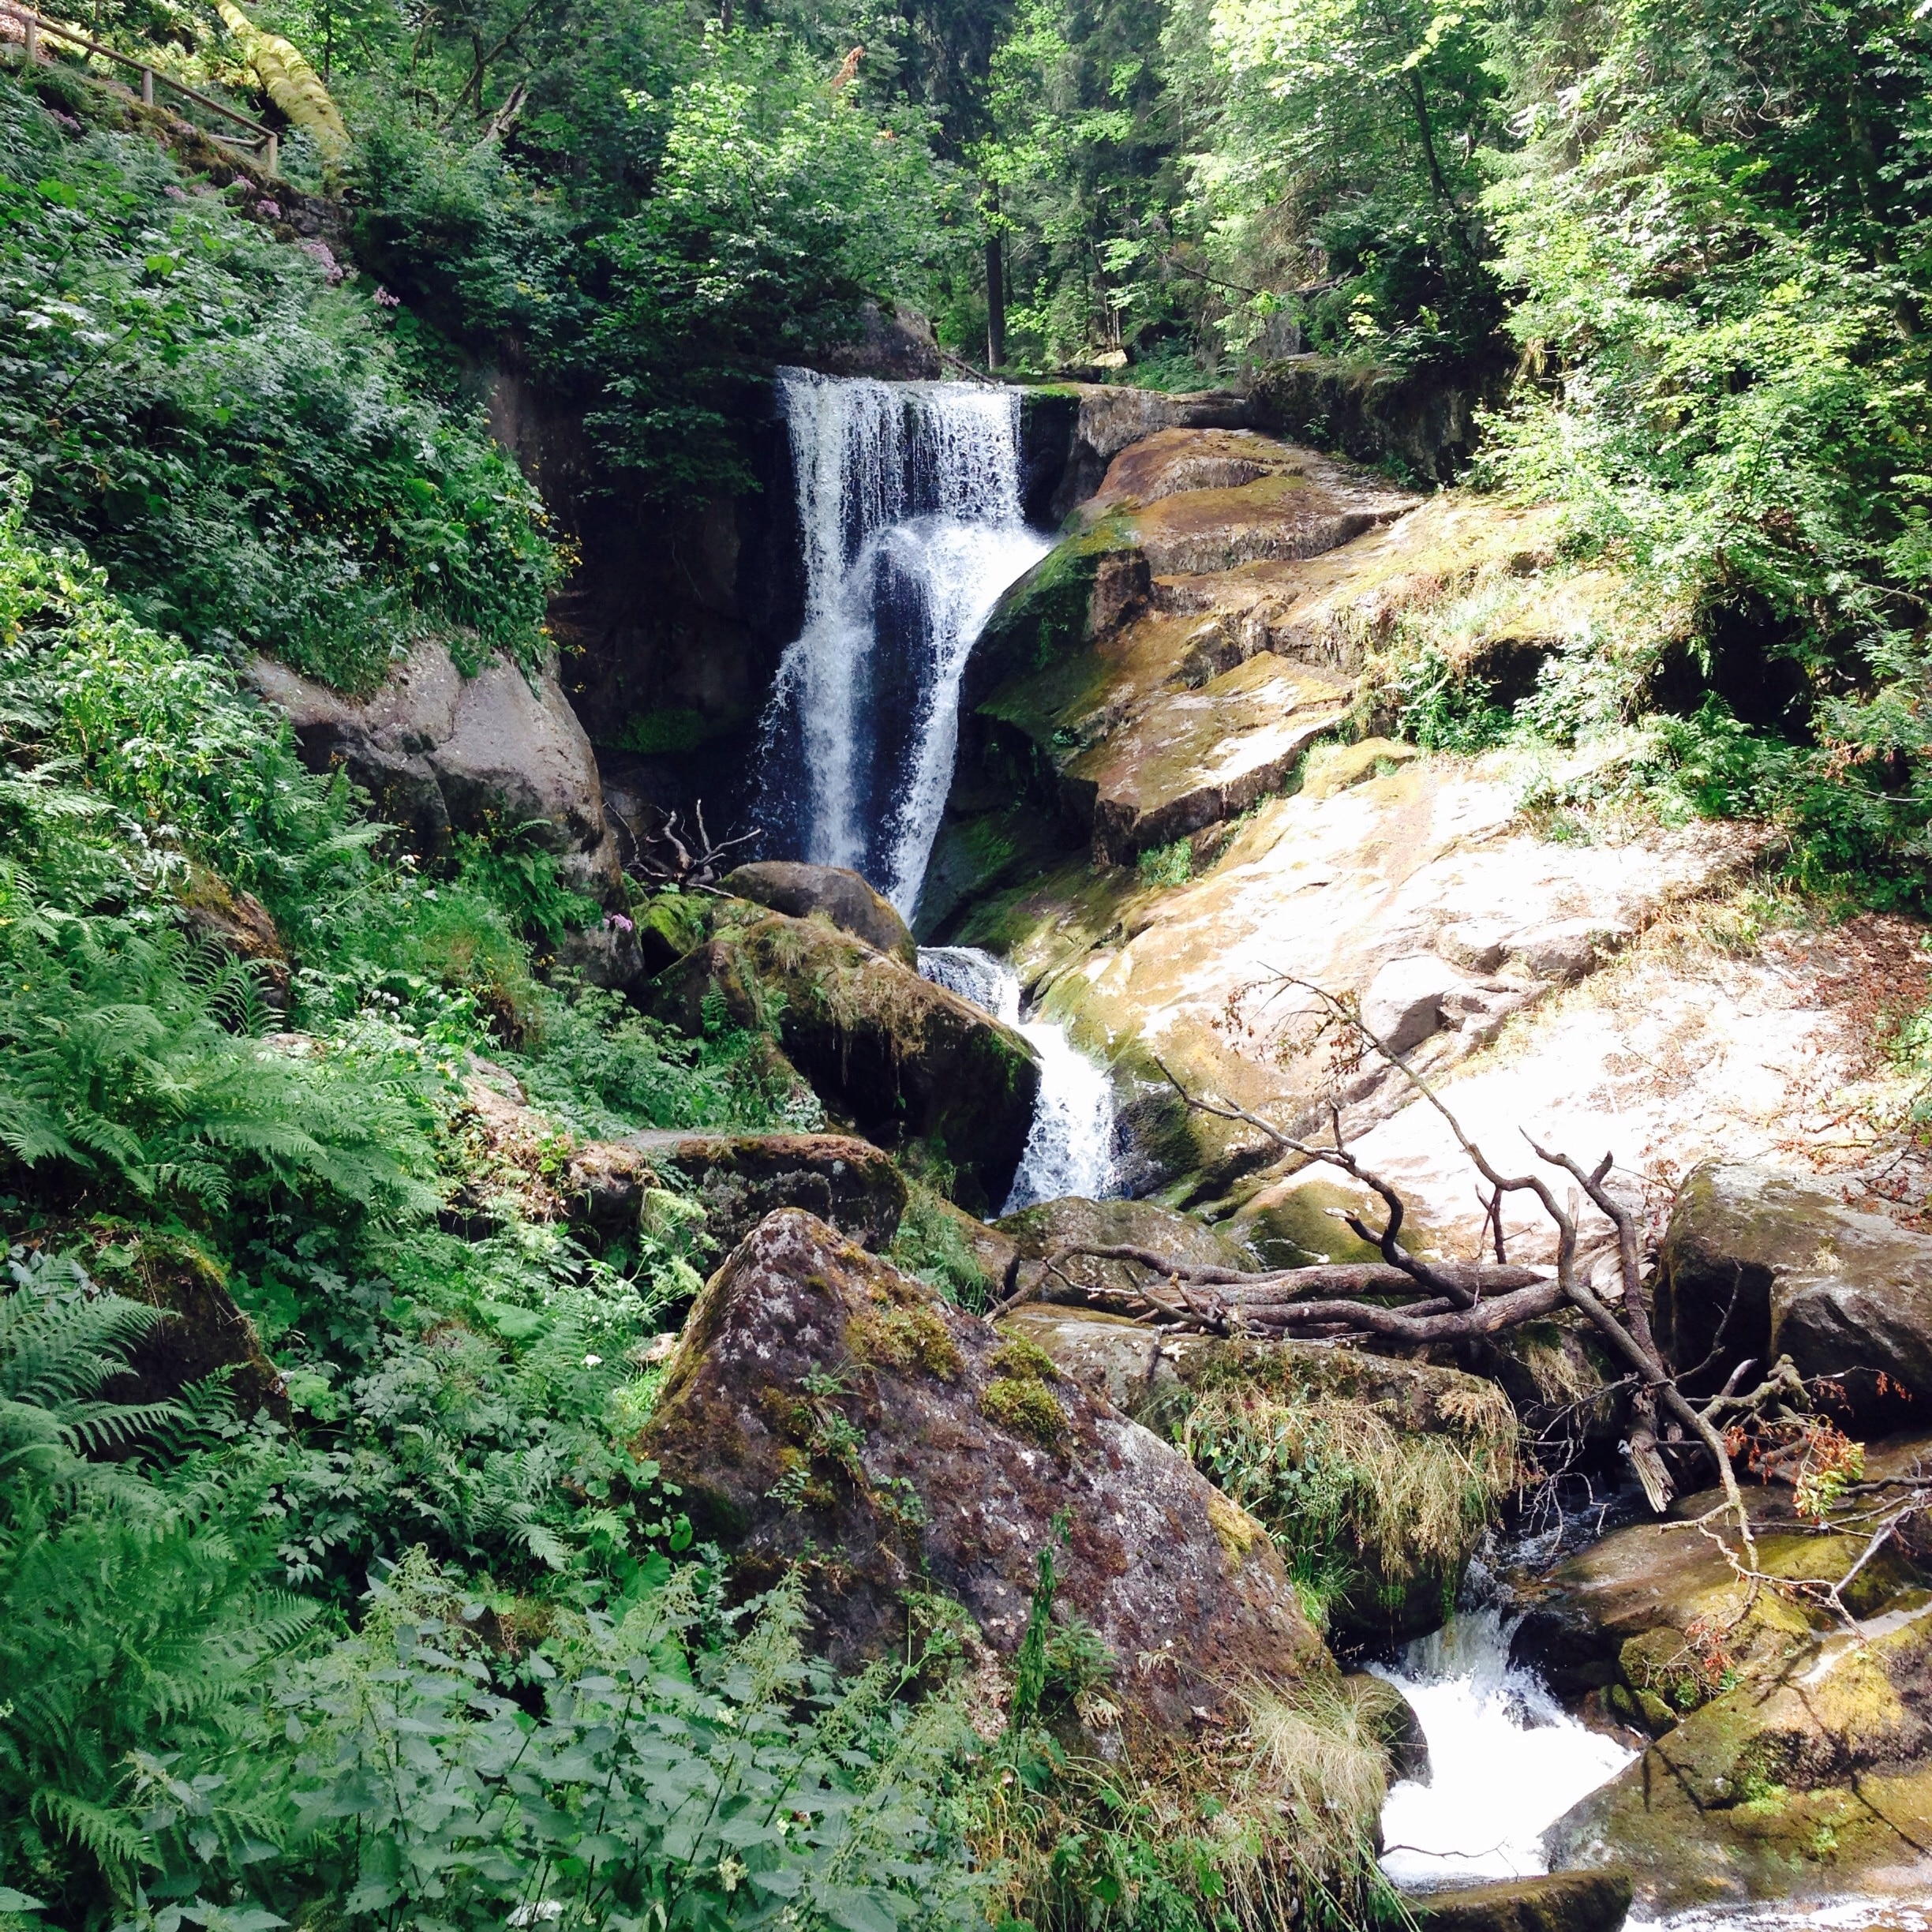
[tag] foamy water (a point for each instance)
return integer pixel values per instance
(1506, 1761)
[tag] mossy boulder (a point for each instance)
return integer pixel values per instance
(902, 1060)
(826, 1410)
(741, 1179)
(835, 892)
(1555, 1902)
(1041, 1231)
(1377, 1478)
(1756, 1263)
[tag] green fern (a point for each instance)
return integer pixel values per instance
(133, 1619)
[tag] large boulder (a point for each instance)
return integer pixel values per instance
(1756, 1264)
(839, 894)
(741, 1179)
(1377, 1478)
(902, 1059)
(824, 1409)
(441, 753)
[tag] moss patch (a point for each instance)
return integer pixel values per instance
(1027, 1408)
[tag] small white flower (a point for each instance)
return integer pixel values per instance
(593, 1361)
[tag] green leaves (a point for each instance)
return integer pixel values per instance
(662, 1785)
(231, 434)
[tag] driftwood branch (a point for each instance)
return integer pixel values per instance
(1405, 1299)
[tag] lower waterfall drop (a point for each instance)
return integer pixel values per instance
(1070, 1147)
(1506, 1760)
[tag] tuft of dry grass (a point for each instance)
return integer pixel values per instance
(1343, 1488)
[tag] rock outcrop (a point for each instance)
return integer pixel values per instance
(440, 753)
(741, 1179)
(902, 1059)
(1756, 1264)
(833, 892)
(823, 1409)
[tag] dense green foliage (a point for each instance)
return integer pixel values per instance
(228, 431)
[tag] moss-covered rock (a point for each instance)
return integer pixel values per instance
(824, 1409)
(1556, 1902)
(901, 1058)
(1042, 1231)
(741, 1179)
(834, 892)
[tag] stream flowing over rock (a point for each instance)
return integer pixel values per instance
(824, 1409)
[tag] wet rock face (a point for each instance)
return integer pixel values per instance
(441, 753)
(823, 1408)
(202, 1333)
(901, 1058)
(1757, 1264)
(841, 896)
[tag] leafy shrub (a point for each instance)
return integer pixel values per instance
(663, 1783)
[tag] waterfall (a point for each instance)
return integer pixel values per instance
(1506, 1761)
(908, 500)
(1069, 1149)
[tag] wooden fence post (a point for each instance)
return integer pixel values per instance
(33, 40)
(147, 87)
(271, 153)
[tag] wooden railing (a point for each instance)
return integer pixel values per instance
(35, 29)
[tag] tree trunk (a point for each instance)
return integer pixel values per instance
(996, 291)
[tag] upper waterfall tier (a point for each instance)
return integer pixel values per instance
(908, 501)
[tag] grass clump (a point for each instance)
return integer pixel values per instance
(1363, 1507)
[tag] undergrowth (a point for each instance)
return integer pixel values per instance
(1360, 1507)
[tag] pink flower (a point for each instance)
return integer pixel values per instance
(331, 267)
(619, 922)
(270, 210)
(174, 193)
(385, 300)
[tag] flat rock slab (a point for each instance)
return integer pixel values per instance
(1428, 864)
(1560, 1902)
(1679, 1051)
(823, 1409)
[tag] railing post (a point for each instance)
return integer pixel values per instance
(147, 87)
(33, 40)
(271, 153)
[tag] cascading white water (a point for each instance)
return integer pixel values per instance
(1070, 1147)
(1506, 1761)
(909, 498)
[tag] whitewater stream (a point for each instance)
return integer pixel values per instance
(909, 502)
(1070, 1147)
(1506, 1762)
